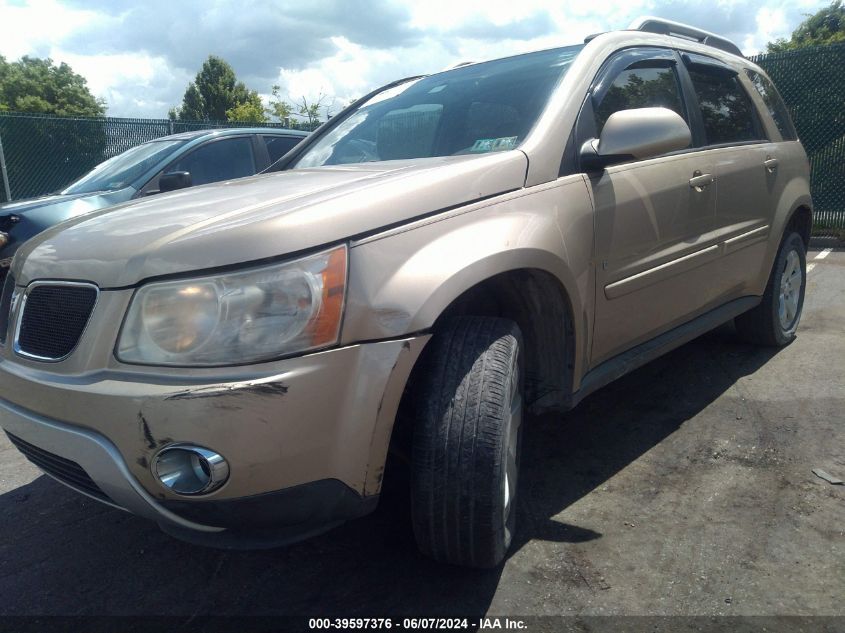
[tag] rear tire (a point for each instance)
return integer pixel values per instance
(466, 445)
(775, 320)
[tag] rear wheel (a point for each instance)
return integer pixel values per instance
(775, 320)
(467, 436)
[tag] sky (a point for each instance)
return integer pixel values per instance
(139, 55)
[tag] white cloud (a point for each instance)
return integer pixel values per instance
(33, 27)
(130, 83)
(140, 56)
(771, 24)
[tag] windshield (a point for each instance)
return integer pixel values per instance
(473, 109)
(121, 170)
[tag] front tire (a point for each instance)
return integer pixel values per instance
(466, 445)
(775, 320)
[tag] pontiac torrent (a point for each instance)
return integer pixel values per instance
(234, 361)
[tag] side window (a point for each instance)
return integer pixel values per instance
(219, 160)
(725, 107)
(642, 87)
(278, 146)
(774, 104)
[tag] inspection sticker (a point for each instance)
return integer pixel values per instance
(494, 144)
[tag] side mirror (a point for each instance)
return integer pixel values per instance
(636, 133)
(174, 180)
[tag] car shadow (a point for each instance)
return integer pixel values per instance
(64, 554)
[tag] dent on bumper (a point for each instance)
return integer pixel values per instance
(97, 456)
(322, 417)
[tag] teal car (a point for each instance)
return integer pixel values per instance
(164, 164)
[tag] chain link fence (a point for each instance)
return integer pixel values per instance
(812, 83)
(42, 154)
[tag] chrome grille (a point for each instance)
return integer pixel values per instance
(6, 306)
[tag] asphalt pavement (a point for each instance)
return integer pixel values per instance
(685, 488)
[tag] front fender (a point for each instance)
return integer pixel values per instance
(402, 280)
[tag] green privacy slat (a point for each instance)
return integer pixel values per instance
(812, 83)
(44, 154)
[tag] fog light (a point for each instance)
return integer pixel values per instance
(190, 470)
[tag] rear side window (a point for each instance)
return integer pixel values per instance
(774, 104)
(641, 87)
(219, 160)
(278, 146)
(725, 107)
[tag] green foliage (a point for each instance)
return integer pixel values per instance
(250, 112)
(213, 93)
(826, 26)
(280, 108)
(4, 71)
(311, 110)
(38, 85)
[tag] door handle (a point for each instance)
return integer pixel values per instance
(699, 181)
(771, 164)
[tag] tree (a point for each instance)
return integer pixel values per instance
(826, 26)
(4, 71)
(38, 85)
(280, 108)
(214, 92)
(250, 112)
(64, 150)
(312, 110)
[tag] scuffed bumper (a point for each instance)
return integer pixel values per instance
(306, 438)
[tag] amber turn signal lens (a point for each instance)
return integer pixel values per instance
(326, 324)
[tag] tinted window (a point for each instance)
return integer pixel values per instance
(774, 104)
(725, 107)
(472, 109)
(219, 160)
(278, 146)
(640, 88)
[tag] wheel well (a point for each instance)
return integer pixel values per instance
(537, 302)
(802, 223)
(539, 305)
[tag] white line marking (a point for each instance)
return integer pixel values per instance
(810, 267)
(823, 254)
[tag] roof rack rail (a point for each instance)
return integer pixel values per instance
(667, 27)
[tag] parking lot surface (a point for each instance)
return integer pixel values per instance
(684, 488)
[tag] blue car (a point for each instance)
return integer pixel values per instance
(165, 164)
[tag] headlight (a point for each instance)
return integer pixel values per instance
(237, 317)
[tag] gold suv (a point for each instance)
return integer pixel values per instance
(234, 361)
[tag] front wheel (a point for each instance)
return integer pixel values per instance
(775, 320)
(466, 446)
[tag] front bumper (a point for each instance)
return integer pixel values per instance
(306, 438)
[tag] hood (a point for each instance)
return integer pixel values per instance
(35, 215)
(57, 200)
(33, 203)
(259, 217)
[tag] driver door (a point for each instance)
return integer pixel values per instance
(653, 217)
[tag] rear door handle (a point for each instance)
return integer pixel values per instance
(771, 164)
(699, 181)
